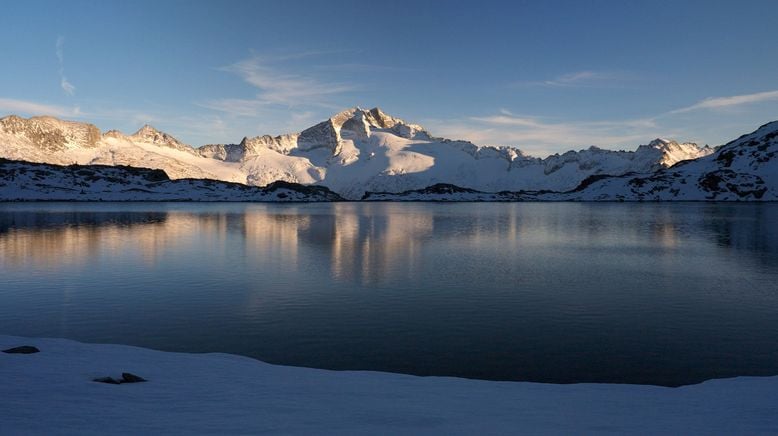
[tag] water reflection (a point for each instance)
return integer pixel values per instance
(366, 243)
(544, 292)
(72, 237)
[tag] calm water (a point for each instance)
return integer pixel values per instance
(641, 293)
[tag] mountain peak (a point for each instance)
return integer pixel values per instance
(765, 133)
(382, 119)
(361, 121)
(148, 131)
(667, 152)
(149, 134)
(660, 142)
(147, 127)
(768, 129)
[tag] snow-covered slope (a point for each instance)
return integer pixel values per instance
(33, 181)
(352, 152)
(745, 169)
(52, 392)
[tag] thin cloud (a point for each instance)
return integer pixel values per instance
(302, 118)
(355, 67)
(67, 86)
(276, 87)
(507, 119)
(581, 79)
(200, 128)
(63, 81)
(578, 78)
(288, 56)
(541, 137)
(236, 106)
(725, 102)
(8, 105)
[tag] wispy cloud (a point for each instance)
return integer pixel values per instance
(540, 136)
(726, 102)
(12, 106)
(543, 135)
(236, 106)
(63, 81)
(580, 79)
(195, 129)
(283, 88)
(119, 114)
(356, 67)
(276, 87)
(301, 118)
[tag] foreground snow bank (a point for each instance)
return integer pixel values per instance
(52, 392)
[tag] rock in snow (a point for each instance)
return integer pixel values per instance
(52, 393)
(23, 349)
(127, 377)
(107, 380)
(353, 152)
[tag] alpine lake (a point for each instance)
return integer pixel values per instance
(649, 293)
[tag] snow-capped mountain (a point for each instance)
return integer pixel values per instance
(352, 152)
(745, 169)
(49, 140)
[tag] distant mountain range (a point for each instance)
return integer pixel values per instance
(367, 154)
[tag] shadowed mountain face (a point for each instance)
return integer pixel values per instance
(352, 152)
(745, 169)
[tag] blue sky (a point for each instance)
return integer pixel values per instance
(542, 76)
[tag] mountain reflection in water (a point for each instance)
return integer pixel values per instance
(561, 292)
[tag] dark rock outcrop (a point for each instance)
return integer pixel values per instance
(24, 349)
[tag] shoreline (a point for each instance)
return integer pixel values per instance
(52, 392)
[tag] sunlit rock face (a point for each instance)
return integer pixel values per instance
(49, 133)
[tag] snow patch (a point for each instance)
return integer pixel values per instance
(52, 392)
